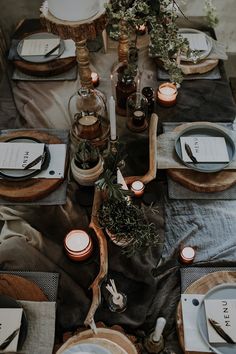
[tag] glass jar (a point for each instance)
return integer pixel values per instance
(137, 112)
(88, 112)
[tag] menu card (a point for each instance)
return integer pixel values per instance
(10, 322)
(193, 340)
(39, 46)
(197, 41)
(205, 149)
(221, 320)
(19, 155)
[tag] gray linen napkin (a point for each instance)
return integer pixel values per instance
(41, 327)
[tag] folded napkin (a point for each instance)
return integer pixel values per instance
(41, 318)
(218, 50)
(168, 158)
(68, 52)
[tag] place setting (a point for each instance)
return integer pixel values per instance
(206, 312)
(43, 56)
(32, 166)
(199, 158)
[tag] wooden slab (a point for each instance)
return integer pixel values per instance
(106, 333)
(20, 288)
(54, 67)
(202, 286)
(202, 67)
(200, 181)
(33, 188)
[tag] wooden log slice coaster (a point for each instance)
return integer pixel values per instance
(31, 189)
(200, 181)
(204, 66)
(20, 288)
(54, 67)
(202, 286)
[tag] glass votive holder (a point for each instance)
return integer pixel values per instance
(138, 188)
(187, 255)
(137, 112)
(78, 245)
(167, 94)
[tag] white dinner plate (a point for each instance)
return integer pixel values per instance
(40, 58)
(223, 291)
(88, 348)
(201, 54)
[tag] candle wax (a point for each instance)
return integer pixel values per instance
(77, 241)
(167, 91)
(188, 253)
(88, 120)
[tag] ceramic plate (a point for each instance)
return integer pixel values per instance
(206, 131)
(40, 58)
(203, 54)
(19, 175)
(87, 348)
(223, 291)
(8, 302)
(107, 344)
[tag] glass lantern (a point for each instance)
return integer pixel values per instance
(88, 111)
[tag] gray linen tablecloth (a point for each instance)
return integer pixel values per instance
(32, 238)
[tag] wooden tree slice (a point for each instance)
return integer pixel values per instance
(20, 288)
(202, 286)
(106, 333)
(202, 67)
(200, 181)
(33, 188)
(54, 67)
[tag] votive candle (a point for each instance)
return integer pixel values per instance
(95, 79)
(167, 94)
(187, 255)
(138, 188)
(78, 245)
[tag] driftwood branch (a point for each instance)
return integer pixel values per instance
(151, 173)
(149, 176)
(95, 286)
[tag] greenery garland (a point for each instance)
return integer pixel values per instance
(160, 18)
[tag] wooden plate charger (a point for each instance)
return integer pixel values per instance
(199, 181)
(34, 188)
(103, 333)
(202, 286)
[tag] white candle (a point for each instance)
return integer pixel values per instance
(95, 79)
(88, 120)
(160, 324)
(138, 188)
(112, 116)
(167, 94)
(77, 240)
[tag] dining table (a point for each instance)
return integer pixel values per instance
(32, 235)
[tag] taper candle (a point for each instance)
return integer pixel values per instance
(160, 324)
(112, 116)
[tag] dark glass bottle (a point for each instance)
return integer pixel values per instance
(149, 93)
(126, 85)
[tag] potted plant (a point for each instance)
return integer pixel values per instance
(127, 226)
(86, 164)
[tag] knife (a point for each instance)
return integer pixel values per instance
(34, 162)
(52, 51)
(220, 331)
(9, 339)
(189, 153)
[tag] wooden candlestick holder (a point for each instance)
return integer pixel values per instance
(80, 32)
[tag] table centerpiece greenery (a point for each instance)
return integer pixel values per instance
(126, 224)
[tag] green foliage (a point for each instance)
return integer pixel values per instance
(87, 155)
(128, 224)
(211, 14)
(160, 18)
